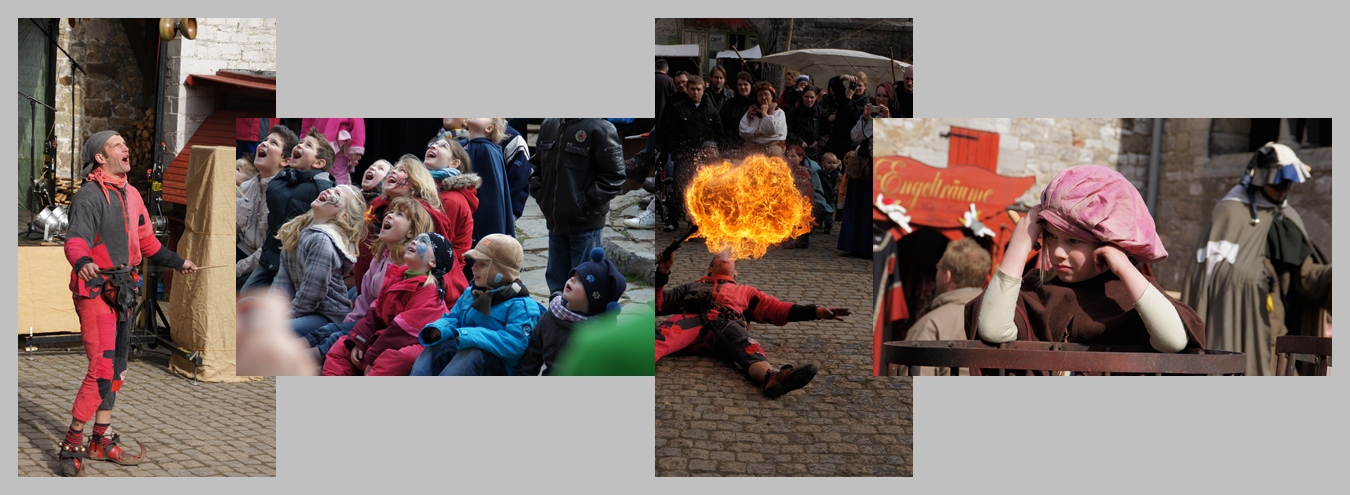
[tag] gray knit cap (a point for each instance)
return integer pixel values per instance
(93, 146)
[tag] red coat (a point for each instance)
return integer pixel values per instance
(455, 283)
(459, 199)
(393, 322)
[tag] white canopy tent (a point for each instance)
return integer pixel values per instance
(824, 63)
(748, 54)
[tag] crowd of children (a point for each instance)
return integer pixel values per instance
(417, 270)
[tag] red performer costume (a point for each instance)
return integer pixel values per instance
(710, 316)
(110, 232)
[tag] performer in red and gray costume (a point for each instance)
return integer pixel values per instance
(110, 231)
(710, 316)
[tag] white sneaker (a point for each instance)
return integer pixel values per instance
(644, 220)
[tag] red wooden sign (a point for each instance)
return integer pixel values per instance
(940, 197)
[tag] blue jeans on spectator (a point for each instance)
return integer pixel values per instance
(434, 357)
(447, 359)
(475, 362)
(260, 279)
(330, 333)
(308, 326)
(565, 252)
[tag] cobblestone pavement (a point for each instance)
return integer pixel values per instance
(209, 429)
(631, 250)
(713, 421)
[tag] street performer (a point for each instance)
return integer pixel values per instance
(711, 315)
(110, 231)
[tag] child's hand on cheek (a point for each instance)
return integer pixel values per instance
(1110, 257)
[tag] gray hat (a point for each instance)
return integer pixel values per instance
(94, 146)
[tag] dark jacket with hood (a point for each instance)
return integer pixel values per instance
(288, 196)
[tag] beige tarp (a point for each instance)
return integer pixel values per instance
(201, 306)
(45, 305)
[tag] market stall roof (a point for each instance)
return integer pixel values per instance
(677, 50)
(825, 63)
(748, 54)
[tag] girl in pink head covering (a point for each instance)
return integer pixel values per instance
(1091, 227)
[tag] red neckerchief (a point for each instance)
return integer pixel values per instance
(107, 181)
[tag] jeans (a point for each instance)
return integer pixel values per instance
(329, 334)
(475, 362)
(260, 279)
(308, 326)
(434, 357)
(447, 359)
(566, 251)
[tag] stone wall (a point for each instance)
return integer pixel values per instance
(109, 94)
(221, 43)
(118, 91)
(1191, 178)
(1027, 147)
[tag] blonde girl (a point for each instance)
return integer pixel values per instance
(318, 249)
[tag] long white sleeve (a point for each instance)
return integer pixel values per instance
(1166, 333)
(764, 130)
(996, 324)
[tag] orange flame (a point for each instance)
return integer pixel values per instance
(748, 207)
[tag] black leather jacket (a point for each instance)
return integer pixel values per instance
(578, 168)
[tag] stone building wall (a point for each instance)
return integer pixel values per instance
(117, 92)
(222, 43)
(1197, 167)
(109, 94)
(1027, 147)
(1194, 179)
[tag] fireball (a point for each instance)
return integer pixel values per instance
(746, 208)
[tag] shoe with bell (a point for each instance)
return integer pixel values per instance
(113, 451)
(644, 220)
(787, 379)
(71, 457)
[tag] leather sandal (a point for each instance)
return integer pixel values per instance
(114, 451)
(71, 458)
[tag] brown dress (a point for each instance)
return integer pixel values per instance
(1095, 311)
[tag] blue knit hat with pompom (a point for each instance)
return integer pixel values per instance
(602, 281)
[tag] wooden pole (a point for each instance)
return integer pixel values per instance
(893, 79)
(789, 43)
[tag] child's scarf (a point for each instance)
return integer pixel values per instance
(485, 299)
(560, 311)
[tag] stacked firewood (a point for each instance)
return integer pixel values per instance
(142, 143)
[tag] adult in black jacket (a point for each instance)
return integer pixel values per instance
(733, 110)
(578, 169)
(686, 126)
(804, 121)
(846, 113)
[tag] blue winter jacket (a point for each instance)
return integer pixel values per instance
(505, 333)
(494, 215)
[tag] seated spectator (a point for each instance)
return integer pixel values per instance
(384, 341)
(403, 221)
(488, 328)
(318, 249)
(960, 277)
(594, 287)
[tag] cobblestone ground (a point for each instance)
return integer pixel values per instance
(209, 429)
(712, 421)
